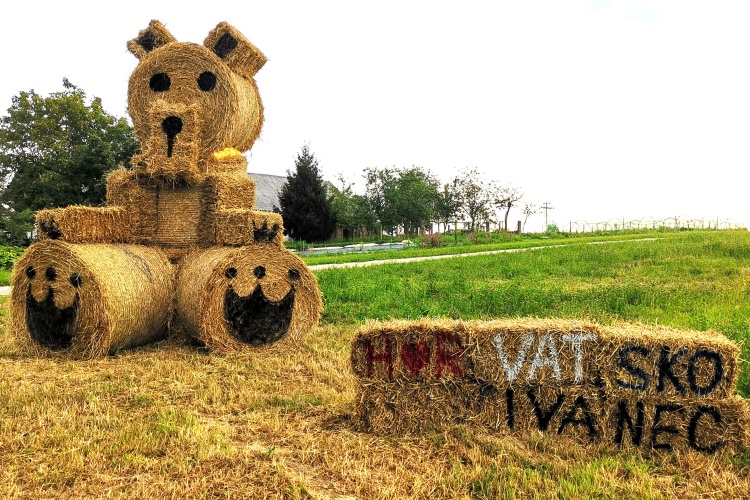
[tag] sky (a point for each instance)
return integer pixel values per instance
(607, 110)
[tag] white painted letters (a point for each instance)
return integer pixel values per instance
(545, 342)
(513, 369)
(547, 354)
(576, 341)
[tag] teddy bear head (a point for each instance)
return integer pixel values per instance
(193, 106)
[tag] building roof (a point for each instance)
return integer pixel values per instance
(267, 189)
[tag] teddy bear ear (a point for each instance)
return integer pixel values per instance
(235, 50)
(149, 39)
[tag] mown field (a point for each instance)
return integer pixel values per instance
(176, 421)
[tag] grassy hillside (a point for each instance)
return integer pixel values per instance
(172, 420)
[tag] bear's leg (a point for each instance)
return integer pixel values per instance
(254, 298)
(89, 300)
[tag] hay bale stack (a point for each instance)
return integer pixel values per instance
(573, 378)
(249, 299)
(89, 300)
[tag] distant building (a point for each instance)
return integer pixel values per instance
(267, 190)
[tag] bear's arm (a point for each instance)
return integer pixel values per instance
(229, 199)
(239, 227)
(79, 224)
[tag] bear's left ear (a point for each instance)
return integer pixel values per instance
(149, 39)
(235, 50)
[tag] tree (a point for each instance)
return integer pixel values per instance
(529, 209)
(415, 196)
(351, 211)
(401, 197)
(504, 198)
(380, 187)
(55, 151)
(305, 202)
(473, 195)
(448, 203)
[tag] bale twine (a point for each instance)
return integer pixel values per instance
(257, 299)
(577, 379)
(89, 300)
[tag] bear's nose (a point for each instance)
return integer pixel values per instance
(171, 125)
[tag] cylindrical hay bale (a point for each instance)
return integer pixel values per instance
(248, 299)
(88, 300)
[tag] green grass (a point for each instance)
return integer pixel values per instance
(5, 277)
(698, 280)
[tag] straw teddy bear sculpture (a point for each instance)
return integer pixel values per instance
(178, 246)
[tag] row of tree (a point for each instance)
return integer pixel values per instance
(395, 200)
(56, 151)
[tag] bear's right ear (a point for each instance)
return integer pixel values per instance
(149, 39)
(235, 50)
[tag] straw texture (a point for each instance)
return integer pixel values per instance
(260, 299)
(672, 388)
(79, 224)
(88, 300)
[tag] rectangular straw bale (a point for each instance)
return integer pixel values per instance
(651, 360)
(408, 408)
(79, 224)
(687, 424)
(182, 162)
(425, 350)
(529, 352)
(239, 227)
(128, 189)
(178, 216)
(227, 191)
(575, 412)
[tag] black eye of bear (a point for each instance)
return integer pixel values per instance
(75, 280)
(159, 82)
(231, 273)
(207, 81)
(294, 274)
(30, 272)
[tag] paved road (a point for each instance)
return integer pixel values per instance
(5, 290)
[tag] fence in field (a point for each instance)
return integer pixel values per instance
(677, 222)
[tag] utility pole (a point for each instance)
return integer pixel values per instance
(546, 207)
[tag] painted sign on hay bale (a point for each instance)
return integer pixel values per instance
(178, 228)
(629, 385)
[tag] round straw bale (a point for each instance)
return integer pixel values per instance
(260, 298)
(88, 300)
(231, 112)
